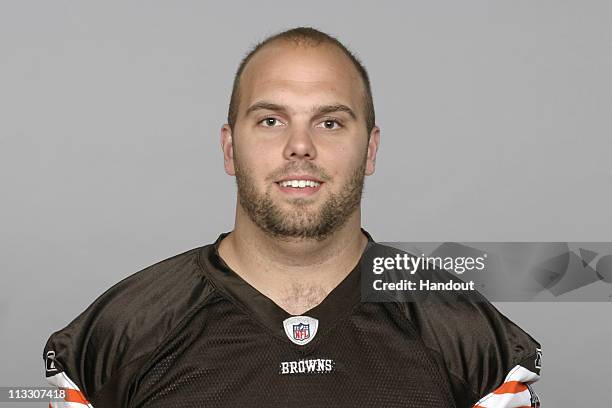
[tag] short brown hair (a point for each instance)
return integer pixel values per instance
(303, 36)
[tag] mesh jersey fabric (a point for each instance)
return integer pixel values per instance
(189, 332)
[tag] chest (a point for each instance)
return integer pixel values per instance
(225, 357)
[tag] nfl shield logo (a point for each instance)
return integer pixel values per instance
(301, 331)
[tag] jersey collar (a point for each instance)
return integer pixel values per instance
(338, 303)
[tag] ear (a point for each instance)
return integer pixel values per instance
(372, 150)
(227, 145)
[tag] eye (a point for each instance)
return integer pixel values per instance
(330, 124)
(270, 122)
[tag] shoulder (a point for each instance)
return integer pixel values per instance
(128, 321)
(476, 344)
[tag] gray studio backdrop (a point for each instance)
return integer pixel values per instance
(495, 121)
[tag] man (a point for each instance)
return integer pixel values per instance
(270, 314)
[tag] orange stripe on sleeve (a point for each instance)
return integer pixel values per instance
(511, 387)
(75, 396)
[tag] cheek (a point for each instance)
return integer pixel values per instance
(256, 145)
(255, 161)
(342, 160)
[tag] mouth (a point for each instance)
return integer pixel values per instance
(299, 185)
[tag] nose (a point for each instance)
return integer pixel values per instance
(300, 145)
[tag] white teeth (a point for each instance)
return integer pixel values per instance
(299, 183)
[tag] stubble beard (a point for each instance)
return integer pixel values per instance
(299, 222)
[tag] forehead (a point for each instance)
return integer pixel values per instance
(282, 72)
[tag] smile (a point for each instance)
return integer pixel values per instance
(299, 186)
(299, 183)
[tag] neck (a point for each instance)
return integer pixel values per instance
(296, 274)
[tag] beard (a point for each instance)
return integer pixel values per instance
(300, 221)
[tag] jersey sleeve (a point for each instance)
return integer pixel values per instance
(65, 356)
(506, 360)
(490, 361)
(515, 392)
(97, 357)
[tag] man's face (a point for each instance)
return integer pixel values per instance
(299, 149)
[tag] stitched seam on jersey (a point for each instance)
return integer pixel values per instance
(173, 332)
(161, 343)
(474, 395)
(527, 358)
(517, 360)
(123, 367)
(518, 363)
(136, 277)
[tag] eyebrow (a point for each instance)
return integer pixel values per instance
(319, 110)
